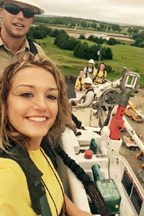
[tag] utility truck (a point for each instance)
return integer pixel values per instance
(115, 177)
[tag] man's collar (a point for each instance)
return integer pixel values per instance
(24, 46)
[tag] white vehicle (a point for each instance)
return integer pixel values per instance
(130, 143)
(112, 164)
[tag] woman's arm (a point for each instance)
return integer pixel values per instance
(72, 209)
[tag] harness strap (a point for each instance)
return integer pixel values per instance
(97, 75)
(80, 81)
(33, 48)
(33, 175)
(84, 96)
(90, 187)
(87, 71)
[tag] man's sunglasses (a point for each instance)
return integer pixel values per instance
(15, 9)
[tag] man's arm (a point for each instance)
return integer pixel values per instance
(88, 100)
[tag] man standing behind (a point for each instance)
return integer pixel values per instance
(89, 69)
(16, 19)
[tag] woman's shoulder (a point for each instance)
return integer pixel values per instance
(10, 168)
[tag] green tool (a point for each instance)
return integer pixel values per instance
(108, 190)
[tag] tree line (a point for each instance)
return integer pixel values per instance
(64, 41)
(139, 39)
(86, 23)
(78, 22)
(135, 32)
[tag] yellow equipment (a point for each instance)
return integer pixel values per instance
(133, 113)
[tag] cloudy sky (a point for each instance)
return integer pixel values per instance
(116, 11)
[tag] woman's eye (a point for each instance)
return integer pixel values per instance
(26, 95)
(52, 97)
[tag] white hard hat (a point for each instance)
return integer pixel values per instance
(33, 3)
(91, 61)
(88, 80)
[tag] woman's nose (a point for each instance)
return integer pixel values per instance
(39, 104)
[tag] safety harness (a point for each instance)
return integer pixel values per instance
(83, 98)
(33, 174)
(33, 48)
(36, 189)
(81, 85)
(87, 71)
(97, 76)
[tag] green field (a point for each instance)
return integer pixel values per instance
(123, 56)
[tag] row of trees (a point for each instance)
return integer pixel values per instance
(78, 22)
(86, 23)
(139, 39)
(64, 41)
(82, 50)
(110, 41)
(134, 31)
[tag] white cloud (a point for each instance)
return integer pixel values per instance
(122, 11)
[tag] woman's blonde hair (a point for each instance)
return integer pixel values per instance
(63, 119)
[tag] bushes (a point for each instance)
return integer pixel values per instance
(83, 51)
(63, 41)
(112, 41)
(139, 39)
(81, 36)
(38, 32)
(96, 39)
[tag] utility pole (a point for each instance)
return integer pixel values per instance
(99, 57)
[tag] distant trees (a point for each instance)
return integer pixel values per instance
(83, 51)
(115, 27)
(97, 39)
(64, 41)
(133, 30)
(41, 31)
(38, 32)
(78, 22)
(81, 36)
(139, 39)
(112, 41)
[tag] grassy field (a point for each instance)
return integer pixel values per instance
(123, 56)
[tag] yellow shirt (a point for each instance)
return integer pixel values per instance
(80, 82)
(14, 194)
(99, 79)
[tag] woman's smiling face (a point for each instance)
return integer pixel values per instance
(32, 103)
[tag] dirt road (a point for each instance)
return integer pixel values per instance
(130, 155)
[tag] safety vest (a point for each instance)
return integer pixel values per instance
(97, 79)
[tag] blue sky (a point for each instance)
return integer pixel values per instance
(116, 11)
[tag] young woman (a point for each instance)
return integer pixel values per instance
(33, 105)
(99, 75)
